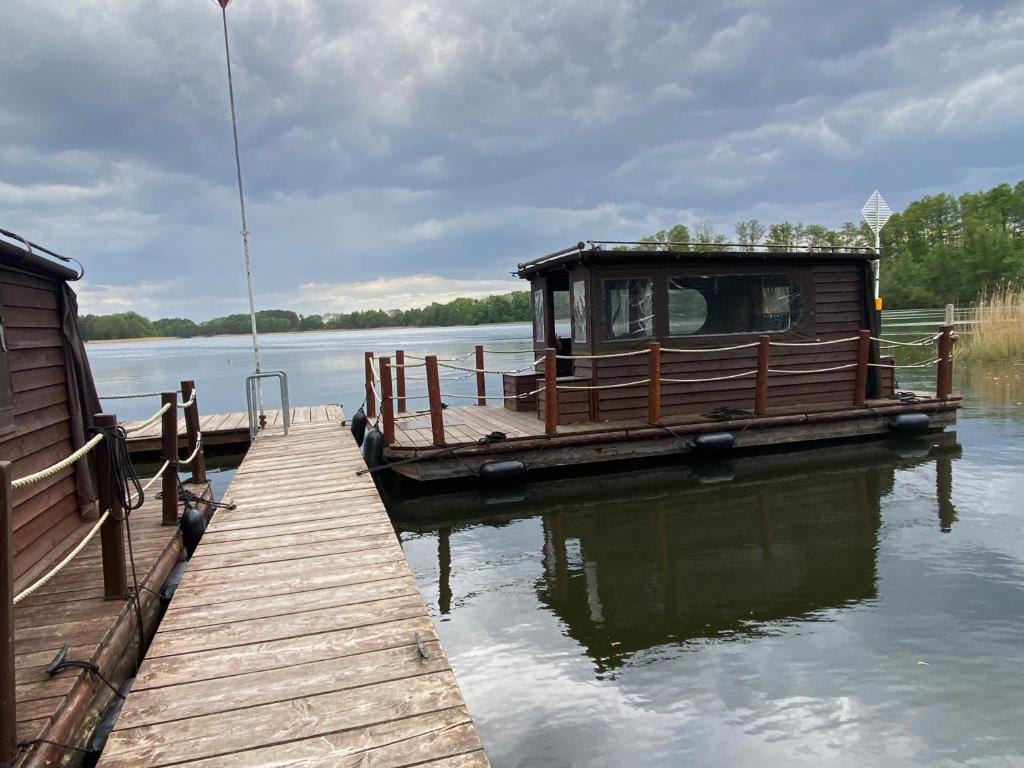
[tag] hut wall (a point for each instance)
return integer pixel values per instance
(47, 512)
(838, 313)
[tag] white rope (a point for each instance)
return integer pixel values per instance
(150, 421)
(443, 359)
(715, 378)
(408, 365)
(496, 397)
(924, 342)
(609, 386)
(195, 452)
(488, 370)
(713, 349)
(190, 403)
(926, 364)
(606, 356)
(53, 469)
(60, 566)
(130, 397)
(814, 370)
(508, 351)
(847, 340)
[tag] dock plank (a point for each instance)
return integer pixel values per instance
(292, 638)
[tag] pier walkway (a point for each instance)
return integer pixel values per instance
(297, 635)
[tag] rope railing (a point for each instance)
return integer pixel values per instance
(130, 396)
(53, 469)
(529, 367)
(190, 402)
(48, 576)
(150, 421)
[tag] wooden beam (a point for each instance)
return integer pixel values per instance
(387, 405)
(115, 575)
(761, 385)
(944, 373)
(860, 381)
(371, 400)
(654, 387)
(169, 448)
(400, 378)
(550, 392)
(198, 468)
(8, 712)
(434, 398)
(481, 384)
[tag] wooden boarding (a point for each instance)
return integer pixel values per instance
(71, 609)
(292, 638)
(231, 429)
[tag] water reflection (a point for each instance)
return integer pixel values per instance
(672, 556)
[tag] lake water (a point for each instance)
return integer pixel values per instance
(854, 606)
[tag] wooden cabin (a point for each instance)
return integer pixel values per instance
(47, 400)
(644, 352)
(711, 300)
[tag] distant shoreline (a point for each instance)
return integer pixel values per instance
(311, 330)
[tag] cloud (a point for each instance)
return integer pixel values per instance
(382, 139)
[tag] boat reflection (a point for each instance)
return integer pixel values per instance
(636, 561)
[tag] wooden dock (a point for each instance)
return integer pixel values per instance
(295, 636)
(230, 429)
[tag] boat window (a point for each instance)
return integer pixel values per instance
(733, 304)
(628, 308)
(579, 311)
(538, 315)
(560, 302)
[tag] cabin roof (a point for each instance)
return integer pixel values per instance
(604, 253)
(32, 258)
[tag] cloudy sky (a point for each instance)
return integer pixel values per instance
(398, 152)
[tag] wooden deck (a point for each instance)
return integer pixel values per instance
(231, 429)
(71, 609)
(292, 637)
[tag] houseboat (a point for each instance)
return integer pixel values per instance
(81, 587)
(669, 350)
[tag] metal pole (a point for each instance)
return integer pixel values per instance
(241, 205)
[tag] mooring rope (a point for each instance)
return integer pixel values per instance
(150, 421)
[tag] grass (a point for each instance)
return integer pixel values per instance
(998, 329)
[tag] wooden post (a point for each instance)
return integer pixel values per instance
(550, 392)
(944, 374)
(400, 378)
(860, 380)
(115, 575)
(371, 400)
(188, 388)
(761, 385)
(169, 447)
(654, 388)
(8, 712)
(481, 384)
(434, 398)
(387, 405)
(950, 314)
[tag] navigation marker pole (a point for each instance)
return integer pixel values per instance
(241, 204)
(876, 212)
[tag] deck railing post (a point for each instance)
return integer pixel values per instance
(8, 712)
(550, 392)
(860, 380)
(115, 575)
(654, 387)
(481, 383)
(188, 390)
(371, 400)
(400, 379)
(761, 385)
(434, 398)
(387, 404)
(169, 448)
(944, 372)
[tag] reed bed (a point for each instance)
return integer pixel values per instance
(997, 332)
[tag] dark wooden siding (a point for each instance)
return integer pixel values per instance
(838, 309)
(46, 512)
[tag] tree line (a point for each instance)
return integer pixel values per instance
(941, 249)
(502, 308)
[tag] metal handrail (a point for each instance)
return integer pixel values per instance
(251, 399)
